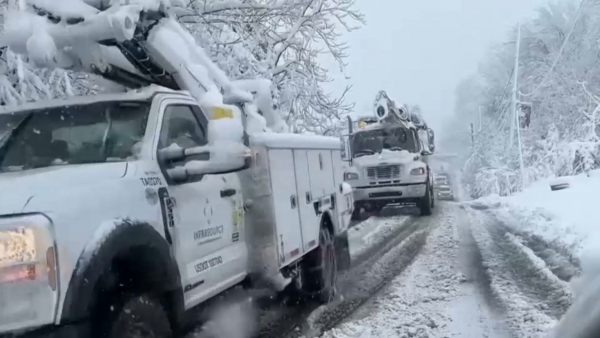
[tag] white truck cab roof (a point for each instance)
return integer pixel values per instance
(142, 94)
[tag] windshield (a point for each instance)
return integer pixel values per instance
(375, 141)
(93, 133)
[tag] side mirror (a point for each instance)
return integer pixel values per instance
(431, 136)
(206, 160)
(171, 153)
(346, 151)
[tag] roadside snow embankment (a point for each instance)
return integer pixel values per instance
(566, 217)
(568, 222)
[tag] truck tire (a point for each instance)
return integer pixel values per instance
(426, 203)
(342, 252)
(356, 213)
(140, 316)
(320, 269)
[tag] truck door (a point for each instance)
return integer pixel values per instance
(205, 230)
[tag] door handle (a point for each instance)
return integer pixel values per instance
(227, 192)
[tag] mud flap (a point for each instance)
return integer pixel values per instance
(342, 252)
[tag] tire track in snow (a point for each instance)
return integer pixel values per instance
(359, 282)
(559, 260)
(369, 278)
(428, 299)
(531, 294)
(374, 274)
(559, 257)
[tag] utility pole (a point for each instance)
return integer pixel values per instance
(515, 88)
(472, 137)
(515, 122)
(524, 180)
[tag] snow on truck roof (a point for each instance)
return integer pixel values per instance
(142, 94)
(378, 125)
(302, 141)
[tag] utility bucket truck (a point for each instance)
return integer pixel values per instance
(387, 160)
(121, 212)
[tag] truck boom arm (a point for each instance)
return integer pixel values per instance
(135, 45)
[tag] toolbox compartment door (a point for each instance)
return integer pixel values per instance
(286, 203)
(308, 215)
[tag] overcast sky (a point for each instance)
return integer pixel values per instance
(419, 50)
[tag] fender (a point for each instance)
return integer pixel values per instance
(82, 295)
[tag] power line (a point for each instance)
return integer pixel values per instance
(495, 120)
(560, 52)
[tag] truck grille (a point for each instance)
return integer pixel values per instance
(383, 172)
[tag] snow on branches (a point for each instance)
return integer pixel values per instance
(279, 40)
(559, 79)
(21, 81)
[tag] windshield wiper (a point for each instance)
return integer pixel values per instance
(10, 135)
(364, 152)
(395, 148)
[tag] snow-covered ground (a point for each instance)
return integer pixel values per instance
(531, 296)
(567, 217)
(495, 268)
(546, 241)
(372, 232)
(433, 297)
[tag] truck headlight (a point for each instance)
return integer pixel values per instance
(350, 176)
(418, 171)
(28, 273)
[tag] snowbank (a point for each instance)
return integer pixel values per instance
(567, 217)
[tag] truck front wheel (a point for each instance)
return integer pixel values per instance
(320, 269)
(140, 316)
(426, 203)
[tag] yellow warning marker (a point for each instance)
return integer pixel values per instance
(218, 113)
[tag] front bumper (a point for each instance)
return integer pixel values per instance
(445, 196)
(390, 192)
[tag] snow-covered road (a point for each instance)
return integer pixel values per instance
(474, 277)
(459, 273)
(442, 294)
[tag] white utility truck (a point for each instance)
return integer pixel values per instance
(121, 212)
(388, 161)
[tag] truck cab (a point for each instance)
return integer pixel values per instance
(387, 163)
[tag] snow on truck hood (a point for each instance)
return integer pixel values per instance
(19, 187)
(387, 157)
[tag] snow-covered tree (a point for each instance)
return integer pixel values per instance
(283, 41)
(559, 79)
(21, 81)
(280, 40)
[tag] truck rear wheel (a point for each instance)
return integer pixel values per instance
(140, 316)
(320, 270)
